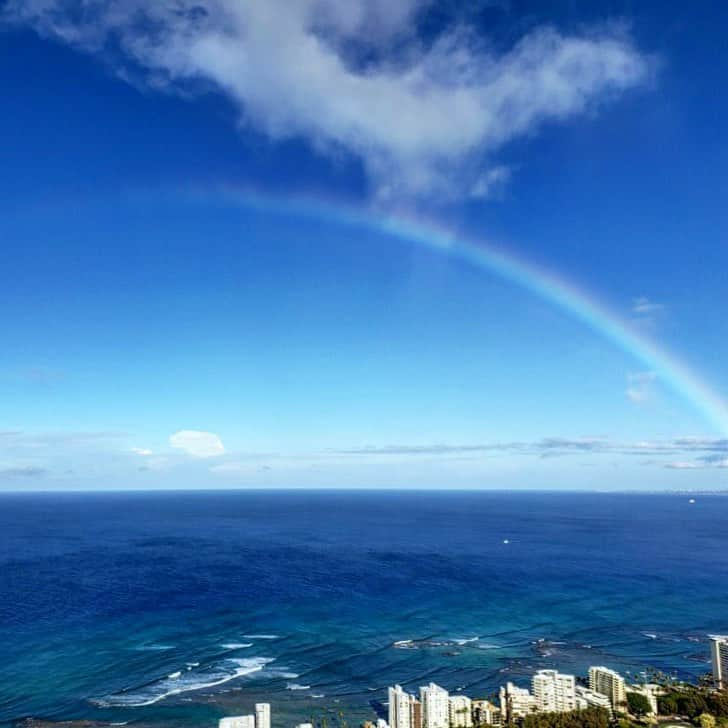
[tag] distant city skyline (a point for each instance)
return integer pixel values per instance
(351, 245)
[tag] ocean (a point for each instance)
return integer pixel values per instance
(174, 609)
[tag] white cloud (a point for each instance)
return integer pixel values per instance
(423, 119)
(684, 465)
(198, 444)
(647, 313)
(644, 307)
(640, 387)
(491, 181)
(142, 451)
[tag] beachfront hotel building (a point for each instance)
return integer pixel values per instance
(608, 682)
(719, 658)
(237, 721)
(553, 692)
(404, 709)
(262, 715)
(485, 713)
(515, 702)
(460, 711)
(435, 706)
(586, 698)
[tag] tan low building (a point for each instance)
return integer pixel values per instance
(486, 713)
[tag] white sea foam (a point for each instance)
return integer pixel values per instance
(317, 695)
(177, 683)
(403, 644)
(261, 636)
(296, 686)
(246, 665)
(650, 635)
(236, 645)
(152, 647)
(466, 640)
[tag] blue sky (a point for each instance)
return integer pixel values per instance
(197, 290)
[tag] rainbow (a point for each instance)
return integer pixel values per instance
(539, 282)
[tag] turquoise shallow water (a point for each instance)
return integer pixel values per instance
(177, 608)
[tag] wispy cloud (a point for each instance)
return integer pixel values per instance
(27, 471)
(491, 182)
(640, 386)
(643, 306)
(547, 444)
(647, 313)
(143, 452)
(240, 468)
(706, 452)
(197, 443)
(424, 118)
(24, 440)
(154, 463)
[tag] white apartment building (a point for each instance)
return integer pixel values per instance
(460, 712)
(262, 715)
(553, 691)
(404, 709)
(237, 721)
(586, 698)
(719, 658)
(608, 682)
(515, 702)
(485, 713)
(435, 706)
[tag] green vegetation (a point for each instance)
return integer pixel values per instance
(638, 705)
(702, 705)
(588, 718)
(623, 722)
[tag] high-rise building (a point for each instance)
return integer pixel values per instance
(262, 715)
(485, 713)
(435, 706)
(586, 698)
(460, 712)
(608, 682)
(515, 702)
(404, 709)
(719, 655)
(416, 713)
(237, 721)
(553, 691)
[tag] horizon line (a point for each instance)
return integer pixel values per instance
(374, 489)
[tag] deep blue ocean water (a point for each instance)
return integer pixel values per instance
(178, 608)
